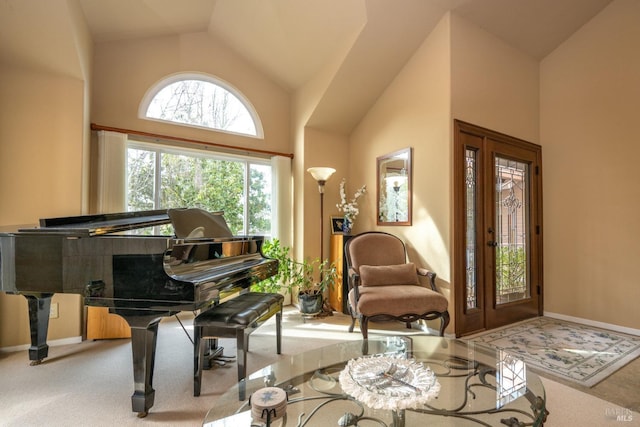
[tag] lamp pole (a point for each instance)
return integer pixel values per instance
(321, 187)
(321, 175)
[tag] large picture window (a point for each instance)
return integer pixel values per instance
(160, 177)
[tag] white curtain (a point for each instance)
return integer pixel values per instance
(282, 212)
(112, 164)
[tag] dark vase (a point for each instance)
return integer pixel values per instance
(346, 226)
(310, 303)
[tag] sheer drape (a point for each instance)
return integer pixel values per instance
(112, 172)
(282, 212)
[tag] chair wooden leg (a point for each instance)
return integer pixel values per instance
(364, 326)
(408, 325)
(353, 323)
(365, 347)
(444, 321)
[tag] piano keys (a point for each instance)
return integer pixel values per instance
(140, 277)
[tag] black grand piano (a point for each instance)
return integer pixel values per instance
(140, 277)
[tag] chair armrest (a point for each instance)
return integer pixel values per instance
(430, 274)
(354, 282)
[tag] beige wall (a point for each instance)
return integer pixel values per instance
(459, 72)
(590, 101)
(44, 131)
(576, 104)
(492, 84)
(322, 149)
(413, 112)
(41, 150)
(124, 71)
(314, 148)
(41, 132)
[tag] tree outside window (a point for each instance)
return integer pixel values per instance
(161, 179)
(203, 101)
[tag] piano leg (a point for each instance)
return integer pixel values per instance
(39, 308)
(144, 333)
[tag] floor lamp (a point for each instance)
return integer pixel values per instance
(321, 175)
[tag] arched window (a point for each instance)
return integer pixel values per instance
(202, 101)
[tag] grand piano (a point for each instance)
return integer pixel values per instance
(139, 277)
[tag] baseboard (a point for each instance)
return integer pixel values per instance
(53, 343)
(601, 325)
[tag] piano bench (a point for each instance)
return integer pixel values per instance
(236, 318)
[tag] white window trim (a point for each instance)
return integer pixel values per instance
(173, 78)
(178, 150)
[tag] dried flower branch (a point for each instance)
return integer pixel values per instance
(350, 208)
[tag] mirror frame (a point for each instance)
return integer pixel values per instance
(381, 174)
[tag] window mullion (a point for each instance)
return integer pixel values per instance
(247, 185)
(157, 193)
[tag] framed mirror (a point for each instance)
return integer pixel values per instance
(394, 188)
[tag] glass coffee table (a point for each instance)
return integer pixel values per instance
(392, 381)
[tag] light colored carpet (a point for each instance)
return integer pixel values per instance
(572, 352)
(90, 384)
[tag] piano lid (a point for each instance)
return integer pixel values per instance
(100, 224)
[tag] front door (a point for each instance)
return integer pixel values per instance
(498, 229)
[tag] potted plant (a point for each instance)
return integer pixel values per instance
(312, 284)
(282, 278)
(310, 279)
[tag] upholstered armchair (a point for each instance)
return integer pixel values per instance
(384, 286)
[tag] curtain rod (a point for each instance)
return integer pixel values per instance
(192, 141)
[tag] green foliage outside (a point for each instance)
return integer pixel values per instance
(218, 185)
(511, 269)
(204, 182)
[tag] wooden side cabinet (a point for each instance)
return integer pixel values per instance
(338, 293)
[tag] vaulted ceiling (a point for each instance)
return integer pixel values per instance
(291, 41)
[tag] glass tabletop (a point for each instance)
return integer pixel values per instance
(474, 384)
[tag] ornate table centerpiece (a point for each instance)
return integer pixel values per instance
(387, 382)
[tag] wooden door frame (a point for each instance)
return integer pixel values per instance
(464, 318)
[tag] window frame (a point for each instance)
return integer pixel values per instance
(174, 78)
(160, 148)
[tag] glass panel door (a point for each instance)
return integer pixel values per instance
(512, 222)
(497, 229)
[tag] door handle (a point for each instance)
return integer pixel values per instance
(492, 243)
